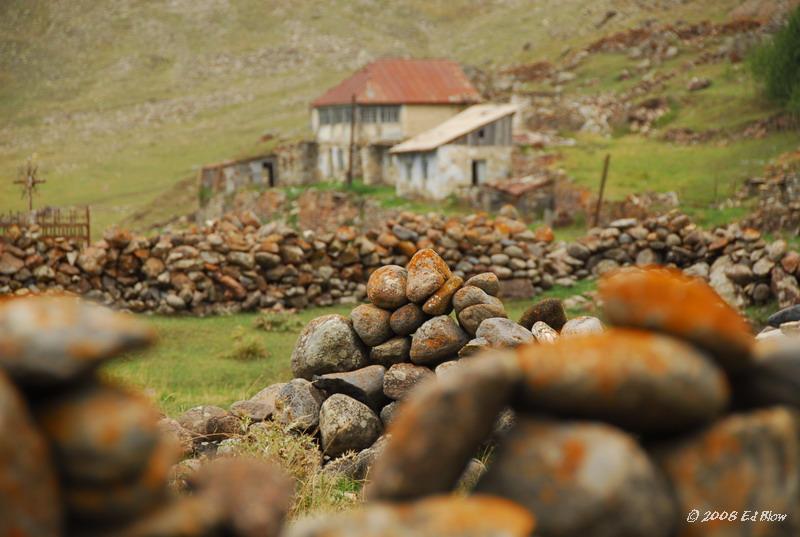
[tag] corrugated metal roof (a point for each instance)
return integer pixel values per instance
(404, 81)
(463, 123)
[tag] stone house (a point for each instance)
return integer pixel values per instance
(470, 149)
(386, 102)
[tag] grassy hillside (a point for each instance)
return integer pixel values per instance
(122, 100)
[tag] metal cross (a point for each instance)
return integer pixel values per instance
(29, 179)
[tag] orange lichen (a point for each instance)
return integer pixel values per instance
(668, 301)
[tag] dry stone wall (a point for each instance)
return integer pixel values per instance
(238, 264)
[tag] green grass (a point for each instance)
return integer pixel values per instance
(640, 164)
(191, 363)
(188, 366)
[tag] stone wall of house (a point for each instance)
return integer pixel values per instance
(238, 264)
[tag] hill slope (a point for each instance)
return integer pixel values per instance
(121, 100)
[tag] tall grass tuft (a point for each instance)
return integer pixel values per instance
(775, 64)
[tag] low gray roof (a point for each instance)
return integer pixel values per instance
(463, 123)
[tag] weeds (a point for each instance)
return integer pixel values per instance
(276, 321)
(246, 347)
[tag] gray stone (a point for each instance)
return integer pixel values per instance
(50, 340)
(347, 425)
(371, 323)
(486, 281)
(470, 295)
(328, 344)
(364, 385)
(549, 310)
(471, 317)
(502, 332)
(786, 315)
(581, 479)
(29, 498)
(358, 466)
(405, 320)
(394, 351)
(543, 333)
(583, 325)
(437, 339)
(389, 412)
(440, 427)
(641, 381)
(400, 379)
(195, 420)
(297, 405)
(386, 287)
(473, 346)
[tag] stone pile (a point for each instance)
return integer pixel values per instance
(80, 455)
(238, 264)
(352, 374)
(674, 421)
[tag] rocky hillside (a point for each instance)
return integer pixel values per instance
(121, 103)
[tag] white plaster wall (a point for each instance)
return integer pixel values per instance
(450, 170)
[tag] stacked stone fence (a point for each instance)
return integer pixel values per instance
(239, 264)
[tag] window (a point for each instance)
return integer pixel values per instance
(340, 158)
(325, 116)
(425, 167)
(481, 134)
(409, 168)
(390, 114)
(368, 114)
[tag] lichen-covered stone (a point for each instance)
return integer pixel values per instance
(347, 425)
(386, 287)
(441, 302)
(406, 319)
(438, 516)
(328, 344)
(502, 332)
(436, 340)
(400, 379)
(667, 301)
(29, 497)
(371, 323)
(48, 340)
(639, 380)
(427, 272)
(440, 427)
(744, 462)
(581, 478)
(297, 405)
(99, 433)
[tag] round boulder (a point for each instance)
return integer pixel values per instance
(470, 318)
(99, 433)
(437, 339)
(549, 310)
(502, 332)
(401, 378)
(581, 479)
(665, 300)
(487, 281)
(328, 344)
(427, 272)
(386, 287)
(371, 323)
(638, 380)
(297, 405)
(394, 351)
(29, 499)
(347, 425)
(406, 319)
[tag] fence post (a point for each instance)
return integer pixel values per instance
(602, 190)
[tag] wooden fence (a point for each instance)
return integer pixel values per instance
(70, 223)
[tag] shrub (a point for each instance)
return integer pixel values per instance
(245, 348)
(276, 321)
(776, 64)
(316, 491)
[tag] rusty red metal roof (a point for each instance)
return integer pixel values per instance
(404, 81)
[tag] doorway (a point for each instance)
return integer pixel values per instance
(269, 172)
(478, 172)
